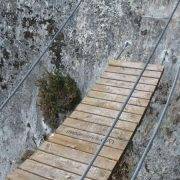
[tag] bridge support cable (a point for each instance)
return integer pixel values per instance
(129, 96)
(126, 44)
(156, 128)
(40, 57)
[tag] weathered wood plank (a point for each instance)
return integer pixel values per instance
(117, 98)
(67, 153)
(136, 65)
(121, 91)
(47, 171)
(70, 165)
(91, 137)
(113, 105)
(86, 146)
(135, 72)
(128, 126)
(23, 175)
(129, 78)
(125, 84)
(76, 155)
(108, 113)
(98, 129)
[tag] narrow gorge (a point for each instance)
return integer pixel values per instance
(93, 36)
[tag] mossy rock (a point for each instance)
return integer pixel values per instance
(58, 93)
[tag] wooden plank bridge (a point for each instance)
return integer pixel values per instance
(67, 153)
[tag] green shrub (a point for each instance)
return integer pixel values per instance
(58, 93)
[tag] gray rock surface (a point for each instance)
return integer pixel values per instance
(93, 36)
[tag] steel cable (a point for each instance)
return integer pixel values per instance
(40, 57)
(126, 44)
(129, 96)
(156, 128)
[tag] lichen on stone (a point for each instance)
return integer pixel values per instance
(51, 25)
(56, 49)
(28, 22)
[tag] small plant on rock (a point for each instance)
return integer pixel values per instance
(58, 93)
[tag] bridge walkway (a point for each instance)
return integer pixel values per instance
(67, 153)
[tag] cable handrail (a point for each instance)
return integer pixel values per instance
(148, 147)
(129, 96)
(40, 57)
(126, 44)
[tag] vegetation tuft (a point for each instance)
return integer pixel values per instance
(58, 93)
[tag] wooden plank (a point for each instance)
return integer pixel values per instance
(130, 71)
(129, 78)
(128, 126)
(91, 137)
(108, 113)
(70, 165)
(67, 153)
(76, 155)
(121, 91)
(47, 171)
(118, 98)
(113, 105)
(98, 129)
(19, 174)
(136, 65)
(86, 146)
(125, 84)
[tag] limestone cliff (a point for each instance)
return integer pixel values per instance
(93, 36)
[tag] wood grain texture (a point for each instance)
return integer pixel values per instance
(129, 78)
(70, 165)
(96, 119)
(77, 155)
(121, 91)
(46, 170)
(136, 65)
(117, 98)
(67, 153)
(85, 146)
(135, 72)
(24, 175)
(113, 105)
(126, 84)
(91, 137)
(108, 113)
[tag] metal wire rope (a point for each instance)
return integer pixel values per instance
(40, 57)
(156, 128)
(129, 96)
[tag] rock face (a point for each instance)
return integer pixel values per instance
(93, 36)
